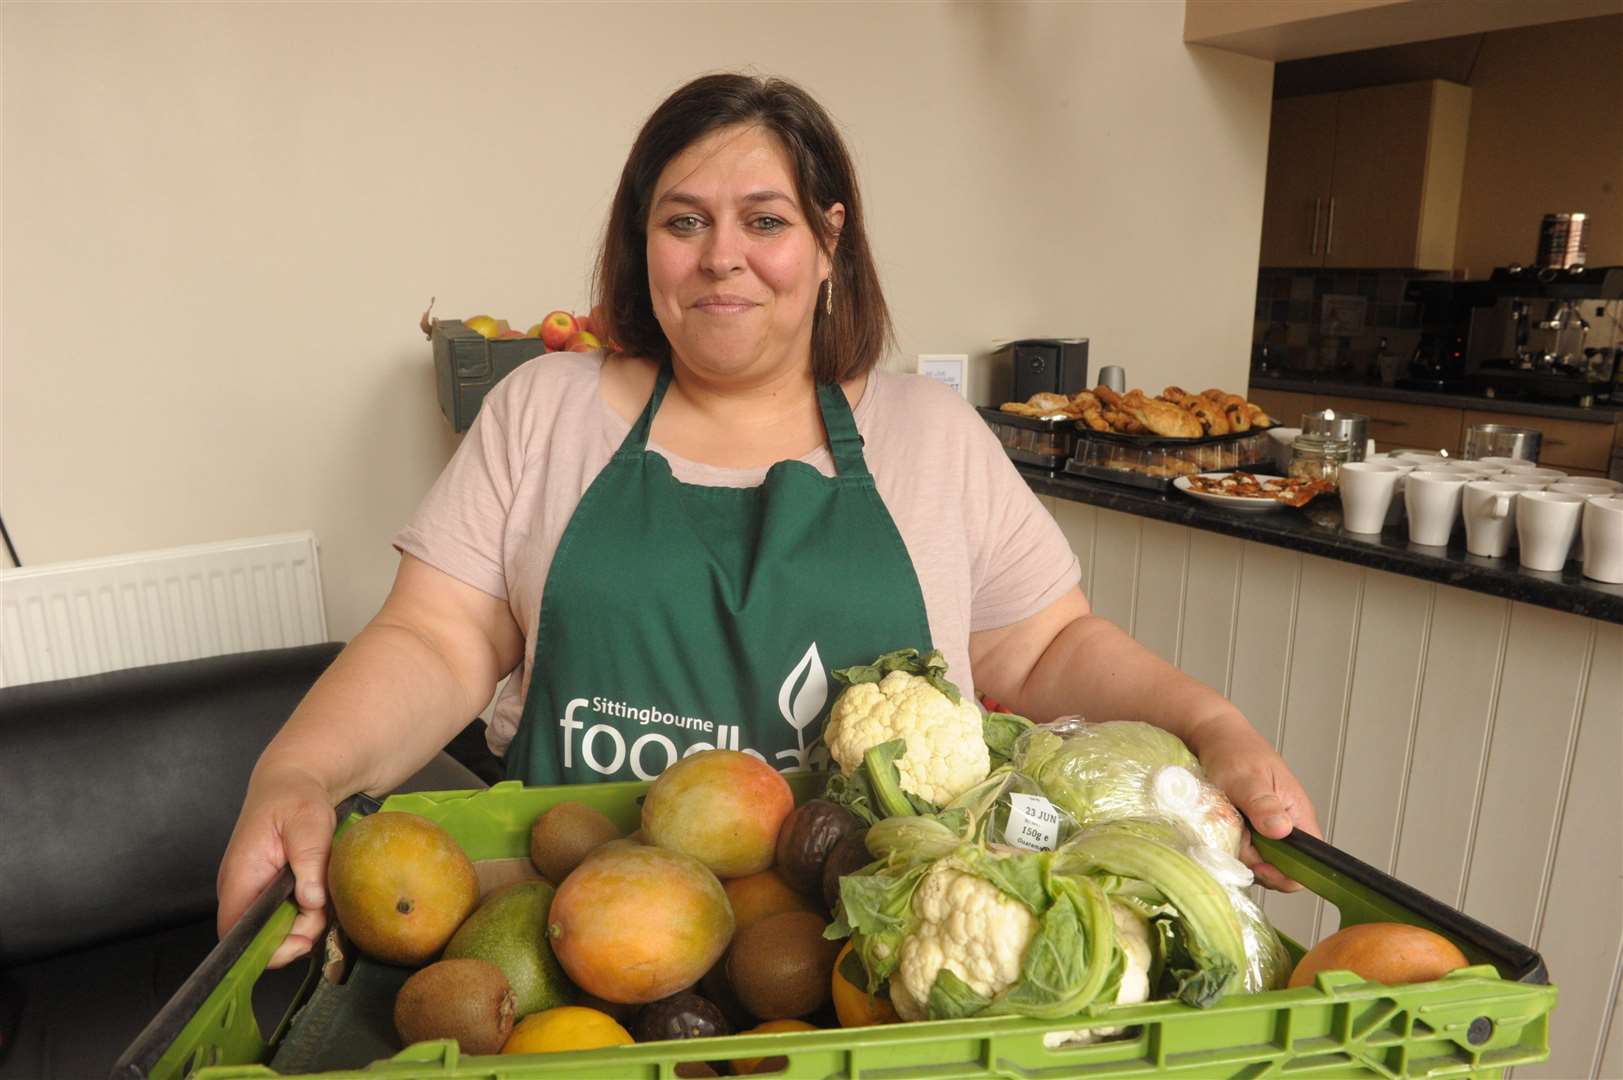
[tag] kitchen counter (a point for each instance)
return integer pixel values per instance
(1600, 414)
(1316, 530)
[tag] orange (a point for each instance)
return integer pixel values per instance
(568, 1027)
(854, 1005)
(745, 1066)
(1383, 952)
(759, 896)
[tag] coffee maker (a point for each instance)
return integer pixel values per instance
(1046, 365)
(1439, 359)
(1547, 334)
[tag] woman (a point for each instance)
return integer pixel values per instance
(802, 512)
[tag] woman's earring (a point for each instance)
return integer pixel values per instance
(828, 298)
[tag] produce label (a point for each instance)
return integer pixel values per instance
(1033, 823)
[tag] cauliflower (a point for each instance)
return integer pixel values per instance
(967, 925)
(946, 750)
(1133, 935)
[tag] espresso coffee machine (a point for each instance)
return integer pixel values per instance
(1047, 365)
(1542, 334)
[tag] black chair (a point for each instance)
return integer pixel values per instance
(118, 793)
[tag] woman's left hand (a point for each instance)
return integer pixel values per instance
(1256, 779)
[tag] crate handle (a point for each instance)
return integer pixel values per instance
(137, 1062)
(1510, 956)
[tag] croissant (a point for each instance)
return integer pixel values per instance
(1210, 418)
(1163, 418)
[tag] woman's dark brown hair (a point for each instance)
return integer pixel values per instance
(845, 344)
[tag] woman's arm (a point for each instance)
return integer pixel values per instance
(1064, 660)
(408, 682)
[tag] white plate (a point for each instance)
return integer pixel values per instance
(1233, 502)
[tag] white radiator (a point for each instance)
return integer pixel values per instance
(80, 618)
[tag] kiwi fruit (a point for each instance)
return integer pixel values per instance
(466, 1000)
(781, 967)
(566, 834)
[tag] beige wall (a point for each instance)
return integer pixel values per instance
(222, 221)
(1543, 139)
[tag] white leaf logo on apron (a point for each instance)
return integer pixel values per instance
(800, 707)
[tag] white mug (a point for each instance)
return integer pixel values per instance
(1541, 475)
(1473, 470)
(1546, 524)
(1433, 501)
(1489, 520)
(1587, 486)
(1508, 464)
(1367, 488)
(1603, 538)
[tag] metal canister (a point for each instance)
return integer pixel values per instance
(1561, 241)
(1350, 428)
(1502, 440)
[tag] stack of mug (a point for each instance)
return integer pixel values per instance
(1501, 499)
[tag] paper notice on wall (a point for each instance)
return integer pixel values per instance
(1033, 823)
(946, 368)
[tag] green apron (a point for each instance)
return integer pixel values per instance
(677, 618)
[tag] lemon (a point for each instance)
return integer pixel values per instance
(568, 1027)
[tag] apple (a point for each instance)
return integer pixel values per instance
(534, 331)
(506, 334)
(585, 324)
(485, 326)
(582, 341)
(557, 328)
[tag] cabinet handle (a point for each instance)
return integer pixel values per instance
(1554, 442)
(1377, 422)
(1317, 206)
(1330, 227)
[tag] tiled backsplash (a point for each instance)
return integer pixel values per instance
(1329, 321)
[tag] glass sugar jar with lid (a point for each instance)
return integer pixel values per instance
(1319, 456)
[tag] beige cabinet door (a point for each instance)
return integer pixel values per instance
(1301, 152)
(1374, 211)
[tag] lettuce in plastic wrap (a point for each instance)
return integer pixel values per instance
(1126, 769)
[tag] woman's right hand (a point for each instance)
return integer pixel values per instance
(287, 817)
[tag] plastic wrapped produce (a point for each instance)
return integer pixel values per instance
(1125, 769)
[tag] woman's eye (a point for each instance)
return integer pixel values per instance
(685, 223)
(768, 223)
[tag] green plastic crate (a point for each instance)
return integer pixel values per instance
(1475, 1022)
(466, 366)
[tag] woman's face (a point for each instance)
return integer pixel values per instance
(734, 269)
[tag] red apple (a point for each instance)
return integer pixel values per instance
(557, 328)
(584, 324)
(582, 341)
(506, 334)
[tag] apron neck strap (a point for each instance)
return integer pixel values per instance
(844, 442)
(636, 440)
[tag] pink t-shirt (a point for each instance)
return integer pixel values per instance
(986, 552)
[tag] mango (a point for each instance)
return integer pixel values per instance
(723, 807)
(634, 924)
(400, 885)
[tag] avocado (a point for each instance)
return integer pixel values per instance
(509, 929)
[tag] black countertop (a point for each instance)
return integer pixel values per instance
(1316, 530)
(1600, 414)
